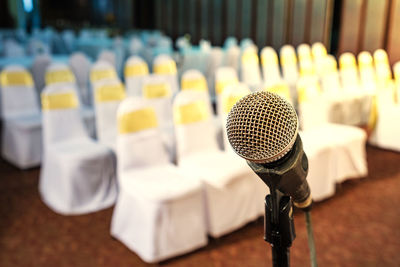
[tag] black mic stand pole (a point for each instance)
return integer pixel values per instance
(279, 227)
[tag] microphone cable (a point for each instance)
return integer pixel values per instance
(311, 244)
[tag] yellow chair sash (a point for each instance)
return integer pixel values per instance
(136, 70)
(220, 85)
(59, 76)
(347, 62)
(199, 84)
(165, 68)
(229, 101)
(106, 93)
(138, 120)
(16, 78)
(307, 68)
(249, 58)
(191, 113)
(288, 60)
(158, 90)
(269, 60)
(97, 75)
(281, 89)
(59, 101)
(307, 91)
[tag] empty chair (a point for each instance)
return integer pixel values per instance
(304, 52)
(224, 77)
(215, 60)
(80, 66)
(39, 67)
(270, 66)
(194, 80)
(318, 52)
(250, 69)
(230, 186)
(166, 66)
(160, 211)
(290, 70)
(109, 56)
(59, 73)
(367, 72)
(78, 174)
(282, 89)
(232, 58)
(108, 96)
(135, 71)
(348, 72)
(382, 68)
(330, 79)
(12, 48)
(20, 113)
(102, 70)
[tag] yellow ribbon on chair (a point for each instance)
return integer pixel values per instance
(198, 84)
(193, 112)
(269, 60)
(220, 85)
(281, 89)
(59, 101)
(97, 75)
(59, 76)
(156, 90)
(347, 61)
(288, 60)
(110, 92)
(306, 90)
(373, 115)
(229, 101)
(307, 68)
(136, 70)
(249, 57)
(138, 120)
(16, 78)
(165, 68)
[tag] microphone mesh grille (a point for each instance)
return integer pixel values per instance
(262, 127)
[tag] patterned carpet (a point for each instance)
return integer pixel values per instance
(359, 226)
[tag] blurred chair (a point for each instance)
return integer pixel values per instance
(108, 96)
(109, 56)
(367, 72)
(232, 58)
(80, 65)
(249, 68)
(349, 72)
(224, 77)
(318, 52)
(396, 74)
(290, 70)
(215, 60)
(382, 69)
(102, 70)
(329, 75)
(157, 93)
(166, 66)
(135, 71)
(13, 49)
(270, 66)
(282, 89)
(77, 175)
(229, 184)
(39, 67)
(21, 118)
(160, 211)
(69, 39)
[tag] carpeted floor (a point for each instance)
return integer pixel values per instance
(359, 226)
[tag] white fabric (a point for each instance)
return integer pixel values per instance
(77, 175)
(160, 212)
(21, 130)
(80, 65)
(109, 56)
(270, 66)
(215, 61)
(234, 193)
(226, 75)
(134, 84)
(250, 69)
(39, 66)
(172, 78)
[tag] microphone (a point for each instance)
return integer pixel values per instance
(262, 128)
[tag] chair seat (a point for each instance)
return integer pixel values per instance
(158, 183)
(215, 167)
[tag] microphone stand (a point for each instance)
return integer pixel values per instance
(279, 227)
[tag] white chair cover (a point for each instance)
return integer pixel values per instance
(270, 66)
(109, 56)
(39, 67)
(233, 57)
(290, 71)
(159, 212)
(108, 96)
(166, 66)
(80, 66)
(21, 130)
(135, 71)
(318, 52)
(77, 175)
(224, 77)
(215, 60)
(250, 69)
(233, 192)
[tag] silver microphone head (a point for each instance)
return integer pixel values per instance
(262, 127)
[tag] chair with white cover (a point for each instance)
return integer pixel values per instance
(215, 60)
(396, 74)
(290, 70)
(159, 212)
(102, 70)
(367, 72)
(78, 174)
(270, 66)
(382, 68)
(60, 73)
(39, 67)
(21, 118)
(135, 71)
(224, 77)
(229, 184)
(232, 58)
(166, 66)
(282, 89)
(108, 95)
(109, 56)
(157, 92)
(249, 69)
(349, 72)
(318, 52)
(80, 66)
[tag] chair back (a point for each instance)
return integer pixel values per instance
(382, 68)
(289, 64)
(18, 96)
(108, 96)
(39, 67)
(250, 67)
(60, 114)
(224, 77)
(366, 71)
(329, 75)
(135, 71)
(349, 72)
(109, 56)
(59, 73)
(102, 70)
(166, 66)
(139, 141)
(80, 66)
(270, 66)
